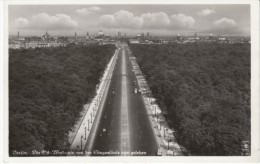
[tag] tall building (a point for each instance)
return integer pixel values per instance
(147, 35)
(245, 40)
(196, 37)
(119, 34)
(100, 33)
(75, 37)
(18, 36)
(210, 37)
(178, 37)
(87, 36)
(46, 37)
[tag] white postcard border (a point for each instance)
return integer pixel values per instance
(254, 4)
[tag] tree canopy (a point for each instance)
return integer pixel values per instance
(47, 90)
(205, 89)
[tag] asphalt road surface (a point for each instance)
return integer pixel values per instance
(124, 128)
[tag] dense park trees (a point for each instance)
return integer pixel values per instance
(47, 89)
(205, 89)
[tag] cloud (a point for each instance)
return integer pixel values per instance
(58, 21)
(225, 26)
(160, 20)
(155, 20)
(127, 19)
(95, 8)
(108, 21)
(45, 21)
(21, 23)
(206, 12)
(182, 21)
(88, 11)
(122, 19)
(224, 23)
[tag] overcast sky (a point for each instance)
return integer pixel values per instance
(130, 19)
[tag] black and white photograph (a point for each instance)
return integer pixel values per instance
(101, 80)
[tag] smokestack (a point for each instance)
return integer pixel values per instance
(76, 36)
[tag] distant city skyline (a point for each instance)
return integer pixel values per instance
(158, 20)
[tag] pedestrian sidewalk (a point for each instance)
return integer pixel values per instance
(74, 130)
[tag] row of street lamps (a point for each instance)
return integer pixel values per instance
(87, 129)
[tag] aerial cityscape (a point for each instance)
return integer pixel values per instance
(129, 80)
(100, 38)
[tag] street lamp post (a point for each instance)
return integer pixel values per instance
(155, 112)
(81, 143)
(164, 132)
(169, 143)
(85, 133)
(91, 117)
(173, 135)
(88, 125)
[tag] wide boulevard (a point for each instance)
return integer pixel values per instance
(124, 127)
